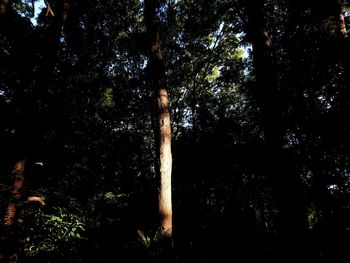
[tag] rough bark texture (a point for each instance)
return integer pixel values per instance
(18, 181)
(11, 241)
(162, 128)
(9, 248)
(165, 162)
(340, 20)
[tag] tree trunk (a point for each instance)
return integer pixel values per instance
(340, 20)
(4, 6)
(162, 127)
(342, 48)
(18, 181)
(15, 213)
(12, 239)
(38, 115)
(286, 186)
(52, 41)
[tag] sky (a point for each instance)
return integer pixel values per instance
(38, 6)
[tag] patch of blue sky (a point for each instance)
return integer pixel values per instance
(38, 6)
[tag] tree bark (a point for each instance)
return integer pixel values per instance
(286, 186)
(340, 20)
(342, 47)
(4, 6)
(15, 212)
(11, 240)
(18, 181)
(162, 127)
(45, 77)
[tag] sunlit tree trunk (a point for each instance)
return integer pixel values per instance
(18, 181)
(12, 241)
(286, 186)
(342, 48)
(340, 20)
(14, 213)
(162, 127)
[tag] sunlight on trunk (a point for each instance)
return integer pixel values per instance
(165, 205)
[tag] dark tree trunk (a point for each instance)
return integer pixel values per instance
(37, 118)
(286, 186)
(4, 6)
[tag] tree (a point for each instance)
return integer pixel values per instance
(162, 125)
(260, 136)
(286, 186)
(13, 218)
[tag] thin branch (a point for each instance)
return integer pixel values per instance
(49, 10)
(33, 8)
(6, 51)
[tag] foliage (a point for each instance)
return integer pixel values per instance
(54, 233)
(76, 96)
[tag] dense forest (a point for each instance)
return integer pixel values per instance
(174, 130)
